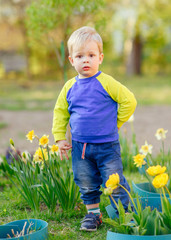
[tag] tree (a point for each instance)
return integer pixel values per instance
(142, 23)
(18, 17)
(54, 20)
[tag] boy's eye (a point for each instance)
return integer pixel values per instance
(79, 56)
(91, 55)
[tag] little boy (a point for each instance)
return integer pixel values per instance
(96, 106)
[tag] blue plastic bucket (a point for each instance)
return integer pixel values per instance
(119, 236)
(40, 227)
(145, 190)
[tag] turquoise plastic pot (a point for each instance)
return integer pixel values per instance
(145, 190)
(119, 236)
(142, 170)
(40, 226)
(153, 202)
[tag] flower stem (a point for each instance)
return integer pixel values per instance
(167, 191)
(148, 178)
(162, 152)
(150, 159)
(114, 202)
(164, 194)
(37, 137)
(129, 196)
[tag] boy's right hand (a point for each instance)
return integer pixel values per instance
(64, 146)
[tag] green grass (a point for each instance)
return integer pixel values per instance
(3, 125)
(62, 225)
(150, 89)
(28, 95)
(37, 95)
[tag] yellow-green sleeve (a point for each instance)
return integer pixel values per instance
(120, 94)
(61, 115)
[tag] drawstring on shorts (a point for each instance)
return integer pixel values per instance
(83, 152)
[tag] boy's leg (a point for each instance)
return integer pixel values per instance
(109, 163)
(93, 208)
(88, 178)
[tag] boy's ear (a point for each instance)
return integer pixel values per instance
(101, 58)
(71, 60)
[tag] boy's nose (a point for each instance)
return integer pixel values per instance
(86, 59)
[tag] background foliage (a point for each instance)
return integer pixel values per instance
(136, 34)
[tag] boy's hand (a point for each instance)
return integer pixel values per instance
(63, 147)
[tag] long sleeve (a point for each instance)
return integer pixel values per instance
(127, 104)
(61, 116)
(120, 94)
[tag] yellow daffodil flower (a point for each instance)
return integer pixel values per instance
(54, 148)
(131, 119)
(30, 136)
(156, 170)
(113, 181)
(145, 149)
(44, 140)
(11, 142)
(25, 156)
(12, 145)
(139, 160)
(161, 134)
(37, 158)
(108, 191)
(40, 154)
(160, 180)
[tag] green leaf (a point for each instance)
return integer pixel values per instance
(151, 223)
(121, 212)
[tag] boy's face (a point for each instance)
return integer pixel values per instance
(86, 60)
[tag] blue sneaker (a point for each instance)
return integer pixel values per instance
(91, 222)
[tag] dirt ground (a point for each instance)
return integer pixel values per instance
(147, 120)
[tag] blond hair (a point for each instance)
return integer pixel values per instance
(83, 34)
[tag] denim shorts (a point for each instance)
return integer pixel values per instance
(92, 164)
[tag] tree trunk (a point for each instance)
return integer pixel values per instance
(134, 59)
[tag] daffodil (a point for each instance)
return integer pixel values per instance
(37, 158)
(11, 142)
(108, 191)
(111, 184)
(139, 160)
(156, 170)
(113, 181)
(145, 149)
(30, 136)
(54, 148)
(12, 145)
(161, 134)
(40, 155)
(25, 156)
(131, 119)
(160, 180)
(44, 140)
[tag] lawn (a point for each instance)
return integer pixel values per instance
(37, 95)
(62, 225)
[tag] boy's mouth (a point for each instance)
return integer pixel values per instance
(86, 68)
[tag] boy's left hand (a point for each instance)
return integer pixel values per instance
(64, 146)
